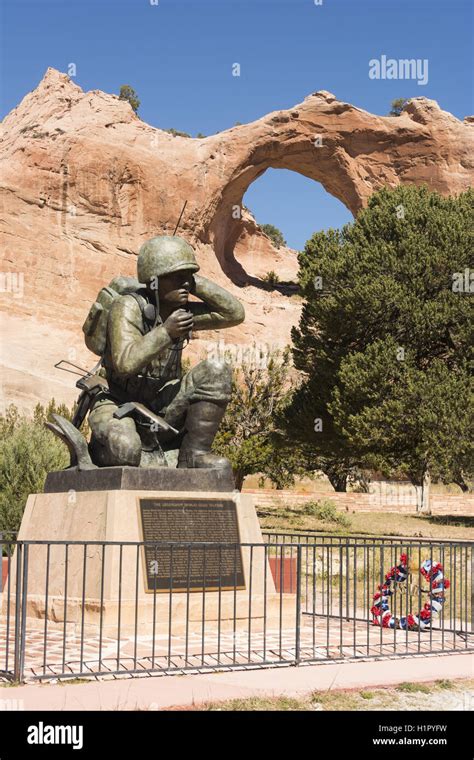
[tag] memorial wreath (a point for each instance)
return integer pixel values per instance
(433, 573)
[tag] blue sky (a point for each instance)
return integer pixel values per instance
(178, 55)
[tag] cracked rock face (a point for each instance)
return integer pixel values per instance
(85, 182)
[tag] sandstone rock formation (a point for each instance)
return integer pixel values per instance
(85, 182)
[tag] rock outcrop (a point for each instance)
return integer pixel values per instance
(85, 182)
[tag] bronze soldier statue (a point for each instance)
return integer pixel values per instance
(143, 411)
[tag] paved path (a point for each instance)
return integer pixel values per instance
(158, 692)
(320, 639)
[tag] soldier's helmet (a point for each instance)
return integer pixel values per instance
(163, 255)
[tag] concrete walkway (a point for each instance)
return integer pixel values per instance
(158, 692)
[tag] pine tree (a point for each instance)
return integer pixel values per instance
(384, 337)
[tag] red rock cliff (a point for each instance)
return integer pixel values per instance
(85, 182)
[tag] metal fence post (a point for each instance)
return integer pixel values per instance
(298, 606)
(16, 654)
(472, 588)
(24, 599)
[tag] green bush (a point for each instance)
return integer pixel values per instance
(248, 435)
(275, 235)
(28, 451)
(177, 133)
(271, 278)
(397, 106)
(327, 511)
(128, 93)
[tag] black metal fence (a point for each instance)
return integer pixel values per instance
(81, 609)
(342, 579)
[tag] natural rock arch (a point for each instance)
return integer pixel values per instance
(350, 152)
(86, 181)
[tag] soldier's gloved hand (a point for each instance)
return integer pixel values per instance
(179, 323)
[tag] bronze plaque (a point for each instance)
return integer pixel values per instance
(191, 521)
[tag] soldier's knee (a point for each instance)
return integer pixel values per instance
(123, 443)
(219, 376)
(218, 369)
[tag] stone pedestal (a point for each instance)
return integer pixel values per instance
(97, 580)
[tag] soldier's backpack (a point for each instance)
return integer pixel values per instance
(95, 326)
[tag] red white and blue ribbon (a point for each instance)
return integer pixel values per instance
(433, 574)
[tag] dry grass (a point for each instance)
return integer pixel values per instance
(437, 696)
(370, 524)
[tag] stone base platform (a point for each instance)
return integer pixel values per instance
(91, 572)
(170, 615)
(139, 479)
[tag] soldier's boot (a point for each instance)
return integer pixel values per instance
(202, 421)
